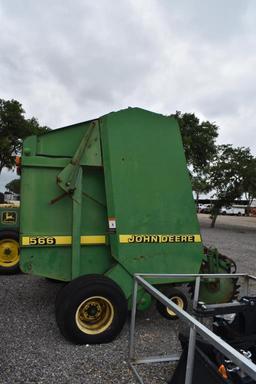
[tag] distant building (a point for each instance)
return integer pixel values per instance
(10, 197)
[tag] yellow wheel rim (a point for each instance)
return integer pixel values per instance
(94, 315)
(9, 253)
(178, 301)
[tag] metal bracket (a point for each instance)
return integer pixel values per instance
(70, 181)
(67, 178)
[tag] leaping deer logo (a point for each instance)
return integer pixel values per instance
(9, 217)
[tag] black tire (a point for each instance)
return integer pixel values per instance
(175, 295)
(91, 309)
(224, 213)
(9, 252)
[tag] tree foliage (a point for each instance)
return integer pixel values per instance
(13, 186)
(227, 171)
(198, 140)
(249, 182)
(200, 183)
(231, 172)
(14, 127)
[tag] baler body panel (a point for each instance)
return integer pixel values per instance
(47, 213)
(149, 193)
(133, 175)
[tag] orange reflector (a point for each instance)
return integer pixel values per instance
(17, 160)
(223, 372)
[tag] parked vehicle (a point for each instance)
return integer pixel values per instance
(235, 211)
(204, 208)
(9, 238)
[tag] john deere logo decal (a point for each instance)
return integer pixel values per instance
(193, 238)
(9, 217)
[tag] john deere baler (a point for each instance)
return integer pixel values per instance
(100, 201)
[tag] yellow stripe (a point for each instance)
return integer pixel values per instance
(93, 239)
(25, 240)
(102, 239)
(156, 238)
(61, 240)
(124, 238)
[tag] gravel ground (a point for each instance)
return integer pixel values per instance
(33, 351)
(234, 237)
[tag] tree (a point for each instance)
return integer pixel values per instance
(249, 184)
(228, 176)
(198, 140)
(200, 184)
(13, 186)
(14, 127)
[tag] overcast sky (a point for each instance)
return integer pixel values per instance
(70, 61)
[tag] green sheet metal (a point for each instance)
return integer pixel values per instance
(149, 193)
(120, 185)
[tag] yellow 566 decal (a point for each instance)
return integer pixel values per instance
(61, 240)
(41, 240)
